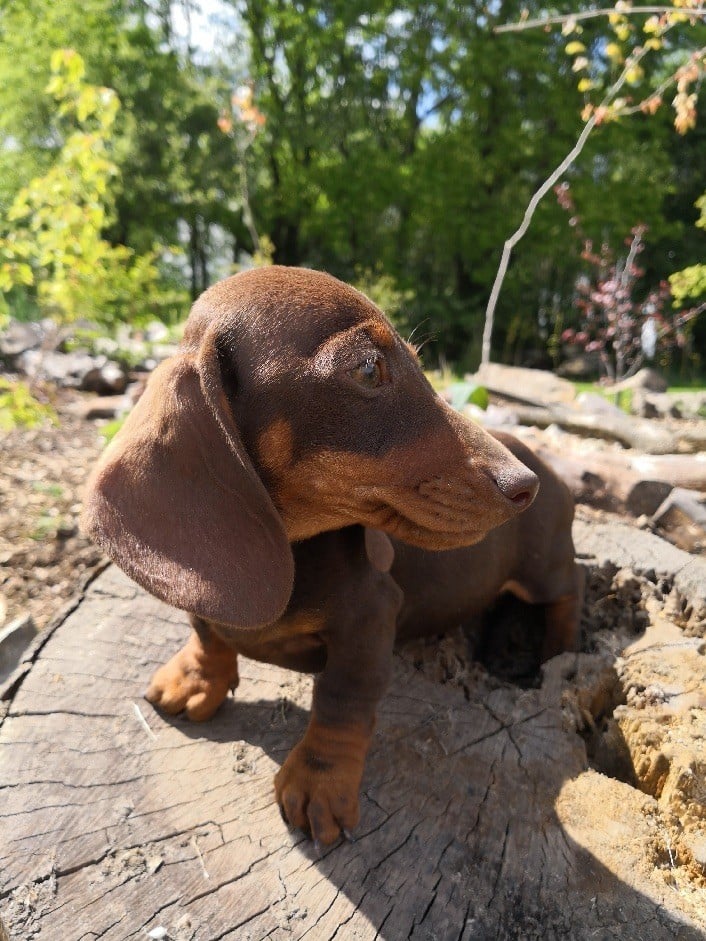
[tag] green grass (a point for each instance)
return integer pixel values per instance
(53, 490)
(46, 526)
(19, 408)
(624, 399)
(109, 431)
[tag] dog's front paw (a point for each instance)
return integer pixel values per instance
(195, 681)
(317, 787)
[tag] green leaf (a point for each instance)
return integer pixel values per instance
(468, 393)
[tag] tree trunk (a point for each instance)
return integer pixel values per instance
(480, 816)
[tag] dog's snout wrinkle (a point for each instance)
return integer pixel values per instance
(447, 490)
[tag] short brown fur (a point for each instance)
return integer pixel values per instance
(240, 489)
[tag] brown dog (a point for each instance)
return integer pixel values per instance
(253, 485)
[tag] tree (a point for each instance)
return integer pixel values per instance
(399, 144)
(408, 140)
(176, 170)
(53, 233)
(629, 64)
(618, 322)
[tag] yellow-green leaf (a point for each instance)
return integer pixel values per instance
(24, 275)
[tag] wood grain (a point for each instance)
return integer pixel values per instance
(478, 813)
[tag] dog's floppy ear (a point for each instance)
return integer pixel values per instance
(175, 501)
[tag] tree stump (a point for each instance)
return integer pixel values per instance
(481, 817)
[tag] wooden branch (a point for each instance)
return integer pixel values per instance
(540, 193)
(593, 14)
(519, 233)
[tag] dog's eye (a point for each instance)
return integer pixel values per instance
(370, 373)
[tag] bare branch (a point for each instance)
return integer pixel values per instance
(660, 89)
(632, 254)
(593, 14)
(539, 194)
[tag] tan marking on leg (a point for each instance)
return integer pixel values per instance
(317, 787)
(562, 619)
(196, 680)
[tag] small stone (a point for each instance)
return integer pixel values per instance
(15, 638)
(595, 404)
(66, 530)
(158, 934)
(683, 516)
(696, 843)
(107, 379)
(103, 406)
(156, 332)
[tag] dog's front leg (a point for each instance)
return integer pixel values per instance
(318, 786)
(197, 678)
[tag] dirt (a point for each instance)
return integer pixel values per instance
(43, 557)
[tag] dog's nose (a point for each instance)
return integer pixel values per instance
(519, 486)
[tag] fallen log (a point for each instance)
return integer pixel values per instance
(638, 433)
(619, 471)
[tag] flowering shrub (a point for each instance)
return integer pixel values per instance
(619, 321)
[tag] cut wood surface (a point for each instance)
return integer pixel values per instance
(480, 816)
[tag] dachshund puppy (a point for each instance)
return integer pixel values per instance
(291, 480)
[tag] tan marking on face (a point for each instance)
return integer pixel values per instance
(379, 333)
(434, 497)
(275, 447)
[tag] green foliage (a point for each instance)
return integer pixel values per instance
(468, 393)
(110, 430)
(410, 140)
(53, 230)
(383, 290)
(19, 408)
(691, 281)
(398, 148)
(30, 31)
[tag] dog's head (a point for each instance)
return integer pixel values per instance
(292, 408)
